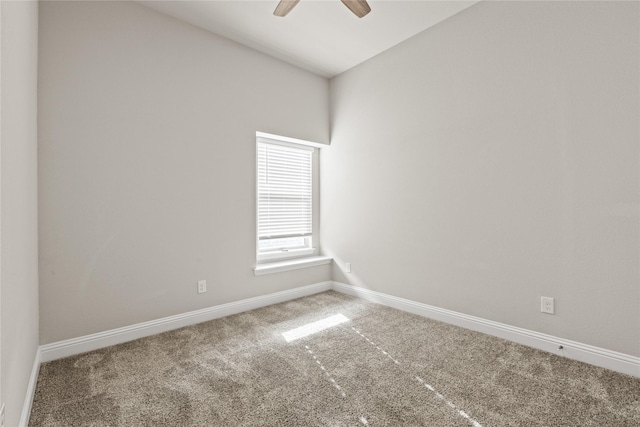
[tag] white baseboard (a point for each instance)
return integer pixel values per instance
(31, 390)
(604, 358)
(615, 361)
(60, 349)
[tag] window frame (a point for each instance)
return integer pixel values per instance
(311, 246)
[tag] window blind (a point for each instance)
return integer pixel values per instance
(284, 190)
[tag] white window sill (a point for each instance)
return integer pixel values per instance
(290, 264)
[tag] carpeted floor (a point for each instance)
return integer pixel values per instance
(382, 367)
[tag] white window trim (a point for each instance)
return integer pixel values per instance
(280, 255)
(278, 260)
(292, 264)
(277, 138)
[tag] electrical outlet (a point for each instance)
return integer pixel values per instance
(348, 267)
(547, 305)
(2, 416)
(202, 286)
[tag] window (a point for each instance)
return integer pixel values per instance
(284, 199)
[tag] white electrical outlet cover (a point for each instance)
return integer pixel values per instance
(202, 286)
(547, 305)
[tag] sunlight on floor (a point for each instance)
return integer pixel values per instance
(450, 404)
(428, 386)
(323, 324)
(375, 345)
(328, 375)
(313, 328)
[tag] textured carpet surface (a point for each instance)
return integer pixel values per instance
(382, 367)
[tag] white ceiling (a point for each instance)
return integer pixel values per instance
(321, 36)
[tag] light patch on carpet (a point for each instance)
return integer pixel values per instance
(428, 386)
(375, 345)
(364, 421)
(450, 404)
(314, 327)
(326, 373)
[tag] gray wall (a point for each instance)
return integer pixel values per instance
(18, 192)
(491, 160)
(147, 164)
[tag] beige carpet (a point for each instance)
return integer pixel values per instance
(382, 367)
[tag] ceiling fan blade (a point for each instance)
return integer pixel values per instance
(285, 7)
(359, 7)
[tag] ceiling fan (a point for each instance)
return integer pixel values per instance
(359, 7)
